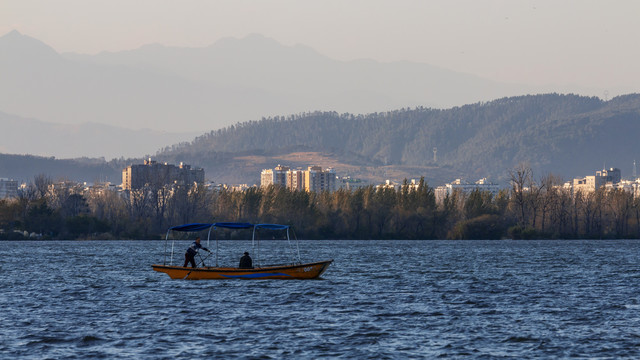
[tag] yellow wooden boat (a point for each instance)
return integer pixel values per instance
(294, 270)
(299, 271)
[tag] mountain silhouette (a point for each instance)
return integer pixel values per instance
(35, 137)
(199, 89)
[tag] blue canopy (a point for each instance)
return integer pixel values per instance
(191, 227)
(271, 226)
(194, 227)
(228, 225)
(233, 225)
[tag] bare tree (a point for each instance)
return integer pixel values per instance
(42, 183)
(521, 176)
(550, 183)
(620, 203)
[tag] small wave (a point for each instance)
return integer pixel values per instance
(137, 286)
(90, 339)
(49, 340)
(490, 312)
(400, 315)
(521, 339)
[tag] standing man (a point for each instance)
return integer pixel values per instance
(189, 256)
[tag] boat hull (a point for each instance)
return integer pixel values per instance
(299, 271)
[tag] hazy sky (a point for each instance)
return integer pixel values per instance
(587, 43)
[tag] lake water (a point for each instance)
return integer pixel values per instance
(379, 300)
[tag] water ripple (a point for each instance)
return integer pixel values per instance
(379, 300)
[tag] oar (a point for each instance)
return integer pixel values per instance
(201, 262)
(186, 276)
(205, 258)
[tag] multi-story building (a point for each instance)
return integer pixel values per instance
(351, 184)
(275, 176)
(389, 184)
(591, 183)
(412, 185)
(101, 188)
(316, 179)
(8, 188)
(466, 188)
(239, 187)
(613, 175)
(155, 174)
(66, 186)
(295, 180)
(313, 179)
(632, 187)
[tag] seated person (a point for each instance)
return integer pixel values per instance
(246, 262)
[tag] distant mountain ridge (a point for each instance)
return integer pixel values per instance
(39, 83)
(24, 168)
(199, 89)
(303, 76)
(235, 82)
(35, 137)
(567, 135)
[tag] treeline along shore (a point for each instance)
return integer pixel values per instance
(529, 209)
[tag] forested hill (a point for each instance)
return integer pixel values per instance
(567, 135)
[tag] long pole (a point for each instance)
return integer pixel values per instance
(172, 243)
(216, 251)
(253, 246)
(209, 236)
(293, 257)
(297, 245)
(166, 239)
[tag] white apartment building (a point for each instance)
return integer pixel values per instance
(8, 188)
(275, 176)
(388, 184)
(601, 178)
(349, 183)
(315, 178)
(465, 187)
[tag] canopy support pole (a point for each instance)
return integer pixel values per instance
(166, 240)
(209, 236)
(172, 243)
(293, 259)
(216, 251)
(253, 246)
(297, 245)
